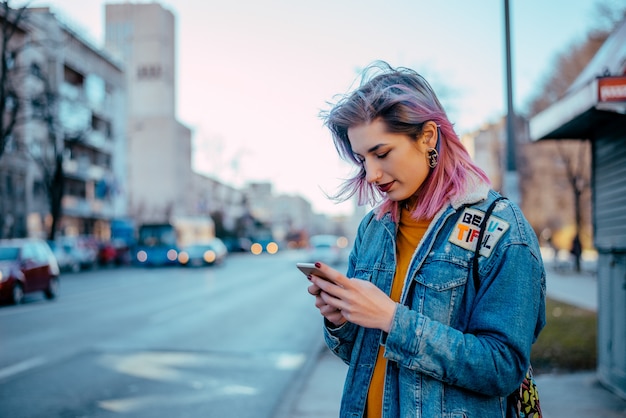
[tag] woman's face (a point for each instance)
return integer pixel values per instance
(394, 162)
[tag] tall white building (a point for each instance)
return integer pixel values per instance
(159, 146)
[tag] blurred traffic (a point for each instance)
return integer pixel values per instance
(35, 265)
(329, 249)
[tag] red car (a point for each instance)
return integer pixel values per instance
(27, 265)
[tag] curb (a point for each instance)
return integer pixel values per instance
(288, 402)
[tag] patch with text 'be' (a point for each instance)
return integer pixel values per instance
(467, 228)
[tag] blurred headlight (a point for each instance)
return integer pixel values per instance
(209, 256)
(272, 248)
(256, 248)
(172, 254)
(183, 257)
(142, 256)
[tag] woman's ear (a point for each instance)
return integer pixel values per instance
(430, 134)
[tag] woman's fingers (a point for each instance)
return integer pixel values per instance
(326, 288)
(314, 290)
(332, 275)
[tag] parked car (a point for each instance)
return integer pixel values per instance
(83, 248)
(66, 259)
(237, 245)
(329, 249)
(115, 252)
(27, 265)
(203, 253)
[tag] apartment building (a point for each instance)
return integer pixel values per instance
(72, 105)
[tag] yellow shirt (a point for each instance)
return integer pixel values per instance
(410, 233)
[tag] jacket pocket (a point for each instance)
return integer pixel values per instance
(379, 274)
(439, 287)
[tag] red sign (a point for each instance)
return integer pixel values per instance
(612, 89)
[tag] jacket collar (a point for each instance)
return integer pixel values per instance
(477, 191)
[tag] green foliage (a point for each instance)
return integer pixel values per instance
(568, 342)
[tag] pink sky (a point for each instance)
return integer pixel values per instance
(252, 76)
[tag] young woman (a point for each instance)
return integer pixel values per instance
(420, 336)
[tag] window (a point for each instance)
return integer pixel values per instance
(38, 107)
(101, 125)
(39, 189)
(149, 71)
(95, 89)
(10, 60)
(73, 77)
(35, 69)
(76, 188)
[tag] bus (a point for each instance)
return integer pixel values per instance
(158, 244)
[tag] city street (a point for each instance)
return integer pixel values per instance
(223, 341)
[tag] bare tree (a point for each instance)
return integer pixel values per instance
(12, 39)
(50, 161)
(46, 152)
(576, 159)
(11, 20)
(574, 155)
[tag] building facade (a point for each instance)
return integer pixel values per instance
(544, 180)
(159, 173)
(72, 98)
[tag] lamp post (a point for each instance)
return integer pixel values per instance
(510, 170)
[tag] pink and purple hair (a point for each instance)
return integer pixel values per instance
(404, 101)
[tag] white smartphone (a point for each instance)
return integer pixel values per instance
(309, 268)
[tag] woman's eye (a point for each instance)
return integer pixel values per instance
(383, 155)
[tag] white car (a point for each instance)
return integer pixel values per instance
(203, 253)
(329, 249)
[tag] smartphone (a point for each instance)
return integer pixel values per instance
(309, 268)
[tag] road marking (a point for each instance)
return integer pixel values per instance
(21, 367)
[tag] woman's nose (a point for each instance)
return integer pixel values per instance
(372, 173)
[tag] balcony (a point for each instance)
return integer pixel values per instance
(83, 168)
(87, 208)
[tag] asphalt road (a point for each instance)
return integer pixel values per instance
(224, 341)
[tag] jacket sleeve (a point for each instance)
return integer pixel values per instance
(492, 355)
(340, 340)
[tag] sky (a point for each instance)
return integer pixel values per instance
(254, 75)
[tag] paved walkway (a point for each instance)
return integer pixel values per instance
(318, 393)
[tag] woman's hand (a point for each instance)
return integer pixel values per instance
(339, 299)
(329, 312)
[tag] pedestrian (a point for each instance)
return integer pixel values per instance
(421, 338)
(576, 250)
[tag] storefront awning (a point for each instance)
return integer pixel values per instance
(578, 114)
(596, 97)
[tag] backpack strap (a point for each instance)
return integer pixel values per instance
(481, 234)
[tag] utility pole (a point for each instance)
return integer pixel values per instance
(510, 180)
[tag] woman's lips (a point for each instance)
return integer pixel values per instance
(385, 187)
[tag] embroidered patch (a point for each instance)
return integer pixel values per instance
(466, 230)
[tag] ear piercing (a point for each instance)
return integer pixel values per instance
(432, 157)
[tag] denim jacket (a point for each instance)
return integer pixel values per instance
(453, 350)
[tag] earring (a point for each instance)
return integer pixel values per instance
(432, 157)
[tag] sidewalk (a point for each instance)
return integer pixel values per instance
(572, 395)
